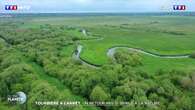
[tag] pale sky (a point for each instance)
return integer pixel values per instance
(78, 6)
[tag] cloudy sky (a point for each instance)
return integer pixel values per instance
(78, 6)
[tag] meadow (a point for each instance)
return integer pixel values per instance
(165, 35)
(161, 35)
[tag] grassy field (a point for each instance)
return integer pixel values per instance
(166, 35)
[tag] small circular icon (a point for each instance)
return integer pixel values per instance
(22, 97)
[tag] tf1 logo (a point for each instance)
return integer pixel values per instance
(11, 7)
(179, 7)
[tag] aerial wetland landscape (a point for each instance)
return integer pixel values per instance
(98, 58)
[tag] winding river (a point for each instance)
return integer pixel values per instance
(111, 52)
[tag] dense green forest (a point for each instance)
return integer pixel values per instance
(38, 61)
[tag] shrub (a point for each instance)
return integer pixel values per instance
(192, 55)
(128, 58)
